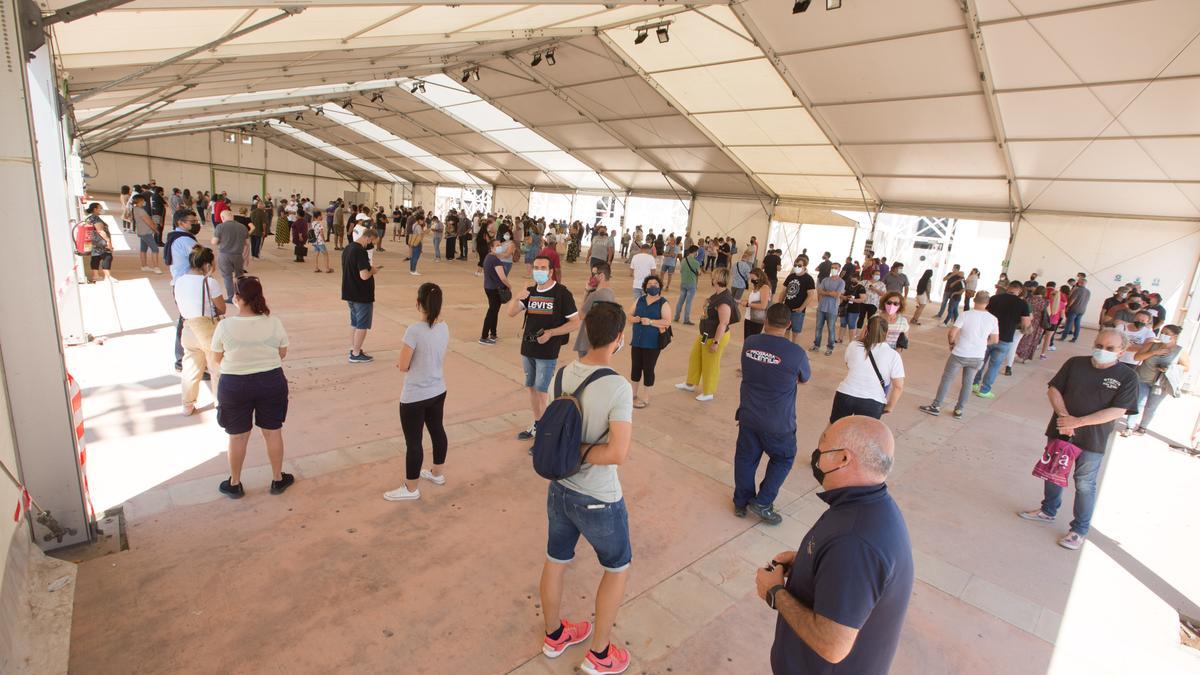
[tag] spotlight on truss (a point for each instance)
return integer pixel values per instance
(550, 56)
(833, 4)
(801, 6)
(299, 116)
(320, 112)
(662, 34)
(641, 37)
(659, 28)
(376, 97)
(475, 73)
(537, 58)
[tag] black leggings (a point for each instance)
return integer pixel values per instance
(750, 328)
(450, 242)
(644, 361)
(413, 418)
(845, 405)
(491, 319)
(463, 240)
(865, 312)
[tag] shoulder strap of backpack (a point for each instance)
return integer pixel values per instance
(558, 382)
(597, 374)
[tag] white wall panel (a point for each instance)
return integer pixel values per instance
(171, 174)
(1162, 254)
(192, 147)
(737, 218)
(329, 189)
(512, 201)
(111, 171)
(424, 195)
(285, 184)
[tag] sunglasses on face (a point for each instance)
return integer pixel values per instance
(891, 304)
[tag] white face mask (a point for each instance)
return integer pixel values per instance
(799, 270)
(1102, 357)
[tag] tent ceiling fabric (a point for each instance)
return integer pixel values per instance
(1077, 106)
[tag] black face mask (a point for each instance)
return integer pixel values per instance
(816, 468)
(195, 228)
(1139, 324)
(1135, 305)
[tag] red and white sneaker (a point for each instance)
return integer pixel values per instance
(616, 662)
(573, 634)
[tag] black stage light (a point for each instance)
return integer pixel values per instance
(550, 56)
(641, 37)
(475, 73)
(537, 58)
(801, 6)
(833, 4)
(466, 76)
(663, 36)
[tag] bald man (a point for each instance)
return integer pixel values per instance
(842, 597)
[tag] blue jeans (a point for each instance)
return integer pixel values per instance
(412, 260)
(637, 294)
(687, 293)
(942, 309)
(437, 246)
(995, 357)
(780, 449)
(539, 372)
(1148, 403)
(1087, 471)
(952, 310)
(1071, 325)
(605, 525)
(824, 319)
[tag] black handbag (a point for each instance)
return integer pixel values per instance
(664, 338)
(902, 341)
(505, 294)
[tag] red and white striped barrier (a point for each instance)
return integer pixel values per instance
(77, 418)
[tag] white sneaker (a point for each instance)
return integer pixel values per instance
(436, 480)
(415, 274)
(685, 386)
(157, 270)
(704, 397)
(401, 494)
(146, 268)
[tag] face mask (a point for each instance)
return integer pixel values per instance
(620, 346)
(507, 236)
(1139, 324)
(891, 309)
(541, 276)
(593, 281)
(195, 228)
(799, 270)
(834, 271)
(816, 466)
(1102, 357)
(653, 290)
(874, 277)
(1135, 305)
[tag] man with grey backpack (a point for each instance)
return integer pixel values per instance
(588, 501)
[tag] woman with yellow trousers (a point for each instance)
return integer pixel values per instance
(704, 365)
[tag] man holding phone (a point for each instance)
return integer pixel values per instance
(842, 597)
(550, 316)
(358, 290)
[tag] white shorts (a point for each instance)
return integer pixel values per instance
(922, 298)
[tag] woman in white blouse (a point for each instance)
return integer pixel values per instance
(200, 302)
(875, 379)
(250, 345)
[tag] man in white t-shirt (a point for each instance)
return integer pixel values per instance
(969, 339)
(642, 265)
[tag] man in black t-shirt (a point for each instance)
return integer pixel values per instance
(799, 292)
(771, 263)
(358, 290)
(550, 316)
(824, 266)
(1087, 395)
(1010, 311)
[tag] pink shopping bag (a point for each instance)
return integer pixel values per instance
(1055, 464)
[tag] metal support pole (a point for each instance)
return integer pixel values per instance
(81, 10)
(131, 113)
(287, 12)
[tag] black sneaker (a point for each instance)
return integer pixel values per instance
(528, 433)
(179, 367)
(958, 413)
(361, 357)
(766, 513)
(739, 511)
(232, 491)
(285, 481)
(931, 410)
(1008, 370)
(207, 376)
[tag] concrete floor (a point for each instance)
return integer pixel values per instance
(330, 577)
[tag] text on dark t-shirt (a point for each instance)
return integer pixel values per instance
(544, 310)
(771, 367)
(798, 286)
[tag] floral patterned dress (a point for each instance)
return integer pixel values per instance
(1033, 339)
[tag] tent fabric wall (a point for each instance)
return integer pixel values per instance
(185, 161)
(512, 201)
(424, 194)
(737, 218)
(1112, 251)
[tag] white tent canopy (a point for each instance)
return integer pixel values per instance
(1053, 106)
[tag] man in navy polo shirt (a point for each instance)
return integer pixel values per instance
(846, 590)
(766, 415)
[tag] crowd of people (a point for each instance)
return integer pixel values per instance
(842, 595)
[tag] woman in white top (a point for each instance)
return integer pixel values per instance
(423, 399)
(875, 380)
(200, 302)
(876, 289)
(892, 311)
(970, 284)
(250, 346)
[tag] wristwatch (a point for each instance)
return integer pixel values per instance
(771, 595)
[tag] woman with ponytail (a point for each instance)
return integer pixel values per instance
(423, 398)
(250, 345)
(201, 304)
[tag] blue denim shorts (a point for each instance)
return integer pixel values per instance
(361, 314)
(850, 320)
(539, 372)
(147, 243)
(605, 525)
(797, 322)
(319, 248)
